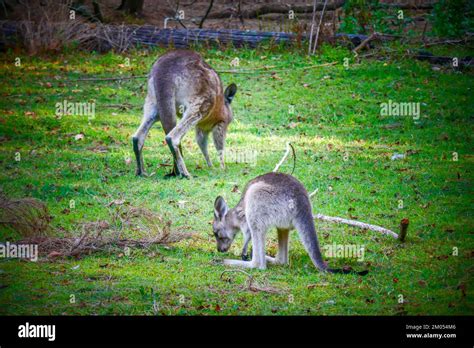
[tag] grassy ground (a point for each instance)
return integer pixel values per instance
(344, 148)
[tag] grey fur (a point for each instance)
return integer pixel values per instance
(182, 77)
(270, 200)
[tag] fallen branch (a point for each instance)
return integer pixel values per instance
(276, 8)
(432, 59)
(403, 224)
(364, 43)
(365, 226)
(265, 9)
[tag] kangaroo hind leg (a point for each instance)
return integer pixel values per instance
(167, 112)
(150, 112)
(283, 244)
(191, 117)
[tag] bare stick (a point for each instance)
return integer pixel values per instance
(287, 152)
(312, 27)
(319, 27)
(358, 224)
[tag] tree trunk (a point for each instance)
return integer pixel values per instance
(97, 11)
(131, 6)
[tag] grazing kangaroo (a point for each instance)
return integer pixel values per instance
(182, 80)
(270, 200)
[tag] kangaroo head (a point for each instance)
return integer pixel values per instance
(229, 94)
(225, 225)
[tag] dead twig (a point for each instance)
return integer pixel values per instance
(211, 3)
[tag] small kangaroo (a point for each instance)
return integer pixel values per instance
(182, 80)
(270, 200)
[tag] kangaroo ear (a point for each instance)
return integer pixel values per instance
(220, 208)
(230, 92)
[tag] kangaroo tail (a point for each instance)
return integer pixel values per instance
(304, 224)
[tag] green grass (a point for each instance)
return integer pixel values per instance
(343, 148)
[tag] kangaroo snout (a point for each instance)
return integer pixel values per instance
(222, 249)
